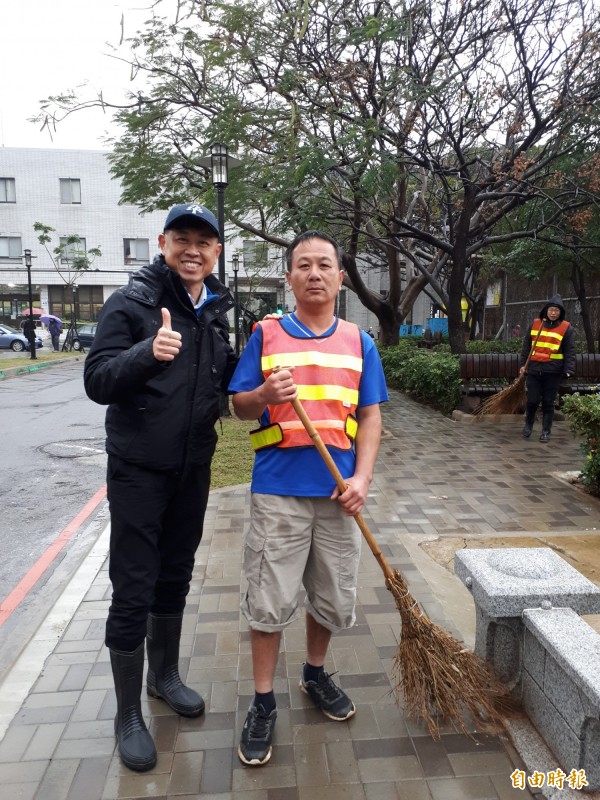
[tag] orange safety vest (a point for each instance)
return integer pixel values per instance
(550, 340)
(327, 375)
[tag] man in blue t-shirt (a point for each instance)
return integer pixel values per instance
(298, 538)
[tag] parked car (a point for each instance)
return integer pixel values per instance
(85, 336)
(11, 339)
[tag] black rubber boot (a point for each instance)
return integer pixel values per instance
(162, 643)
(547, 418)
(136, 747)
(529, 420)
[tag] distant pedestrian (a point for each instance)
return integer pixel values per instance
(517, 330)
(29, 330)
(553, 358)
(55, 329)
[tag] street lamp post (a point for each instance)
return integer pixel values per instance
(235, 263)
(220, 179)
(220, 162)
(27, 256)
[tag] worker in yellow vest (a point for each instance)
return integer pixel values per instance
(301, 534)
(552, 359)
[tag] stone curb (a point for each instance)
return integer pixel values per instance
(13, 372)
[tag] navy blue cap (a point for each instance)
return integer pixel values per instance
(191, 213)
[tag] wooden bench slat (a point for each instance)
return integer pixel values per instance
(477, 370)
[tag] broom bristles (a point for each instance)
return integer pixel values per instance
(439, 678)
(509, 401)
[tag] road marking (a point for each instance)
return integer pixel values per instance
(25, 585)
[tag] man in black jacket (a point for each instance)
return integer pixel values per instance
(551, 343)
(160, 360)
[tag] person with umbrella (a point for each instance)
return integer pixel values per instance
(54, 328)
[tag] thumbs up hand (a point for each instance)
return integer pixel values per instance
(167, 342)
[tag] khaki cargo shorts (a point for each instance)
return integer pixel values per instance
(296, 542)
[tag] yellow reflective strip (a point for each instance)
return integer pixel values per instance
(556, 355)
(552, 335)
(266, 437)
(321, 423)
(311, 358)
(548, 345)
(328, 392)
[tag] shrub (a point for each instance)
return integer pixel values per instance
(432, 377)
(494, 346)
(583, 414)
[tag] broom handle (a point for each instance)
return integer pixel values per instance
(341, 484)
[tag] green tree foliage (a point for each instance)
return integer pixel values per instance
(69, 257)
(583, 415)
(409, 130)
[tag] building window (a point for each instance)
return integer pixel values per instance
(84, 301)
(256, 255)
(90, 300)
(70, 190)
(10, 248)
(73, 253)
(8, 193)
(136, 251)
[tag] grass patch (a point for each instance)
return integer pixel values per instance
(234, 456)
(42, 356)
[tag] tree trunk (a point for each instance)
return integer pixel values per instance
(456, 331)
(578, 281)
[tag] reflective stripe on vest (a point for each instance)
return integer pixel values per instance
(549, 343)
(273, 434)
(327, 379)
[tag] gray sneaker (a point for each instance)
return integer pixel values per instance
(257, 735)
(328, 697)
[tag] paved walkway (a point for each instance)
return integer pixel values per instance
(436, 478)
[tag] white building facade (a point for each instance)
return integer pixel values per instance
(73, 192)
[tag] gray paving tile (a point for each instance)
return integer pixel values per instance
(377, 755)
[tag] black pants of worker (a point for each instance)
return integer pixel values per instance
(542, 386)
(156, 527)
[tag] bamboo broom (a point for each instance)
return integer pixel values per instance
(512, 399)
(438, 678)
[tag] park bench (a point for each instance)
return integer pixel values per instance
(484, 374)
(586, 379)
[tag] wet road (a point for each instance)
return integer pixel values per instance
(53, 462)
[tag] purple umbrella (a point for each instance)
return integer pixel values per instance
(47, 317)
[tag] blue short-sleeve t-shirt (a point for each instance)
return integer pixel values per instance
(300, 471)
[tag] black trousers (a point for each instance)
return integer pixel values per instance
(156, 527)
(542, 386)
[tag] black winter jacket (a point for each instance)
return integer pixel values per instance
(566, 365)
(160, 415)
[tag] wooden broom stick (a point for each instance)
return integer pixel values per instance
(341, 484)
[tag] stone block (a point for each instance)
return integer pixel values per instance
(565, 705)
(506, 581)
(559, 737)
(534, 657)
